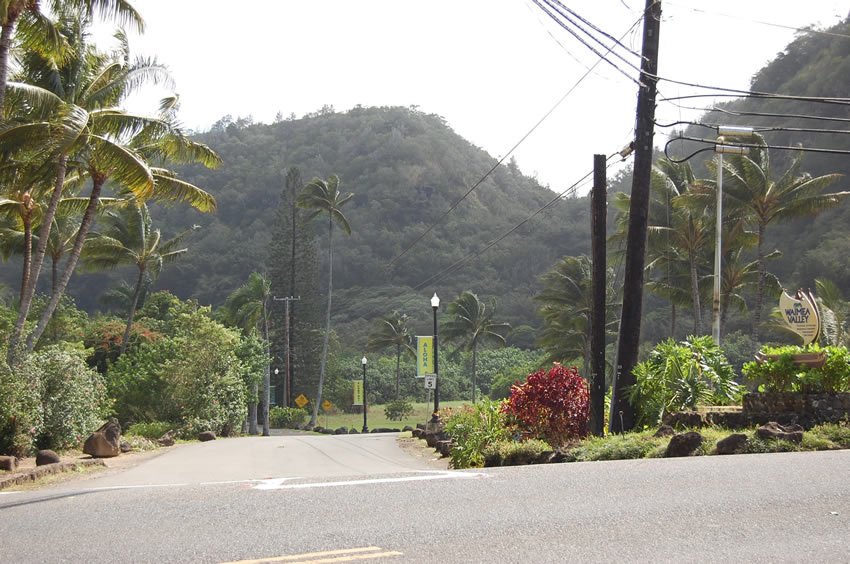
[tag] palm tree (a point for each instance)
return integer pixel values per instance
(835, 313)
(323, 197)
(248, 308)
(471, 323)
(566, 304)
(392, 331)
(130, 239)
(678, 237)
(39, 34)
(757, 195)
(113, 144)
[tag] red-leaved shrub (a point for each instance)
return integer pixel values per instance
(552, 405)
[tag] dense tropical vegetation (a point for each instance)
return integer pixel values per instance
(119, 203)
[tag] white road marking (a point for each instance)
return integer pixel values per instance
(439, 476)
(134, 487)
(342, 555)
(248, 481)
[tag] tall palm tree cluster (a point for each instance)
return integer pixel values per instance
(681, 235)
(66, 142)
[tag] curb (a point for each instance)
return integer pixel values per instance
(46, 470)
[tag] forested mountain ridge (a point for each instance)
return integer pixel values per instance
(405, 169)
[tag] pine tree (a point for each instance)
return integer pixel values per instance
(293, 268)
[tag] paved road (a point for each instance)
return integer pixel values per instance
(772, 508)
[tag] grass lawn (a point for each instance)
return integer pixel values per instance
(376, 418)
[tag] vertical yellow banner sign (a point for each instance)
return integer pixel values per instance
(358, 392)
(424, 356)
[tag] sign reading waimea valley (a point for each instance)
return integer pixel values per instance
(801, 314)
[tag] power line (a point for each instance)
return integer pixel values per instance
(594, 27)
(602, 57)
(735, 93)
(713, 143)
(742, 113)
(758, 129)
(761, 22)
(506, 155)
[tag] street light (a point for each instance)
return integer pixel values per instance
(365, 427)
(435, 303)
(721, 148)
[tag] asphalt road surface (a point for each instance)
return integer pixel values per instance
(360, 498)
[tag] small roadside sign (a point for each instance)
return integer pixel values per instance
(357, 386)
(301, 401)
(424, 356)
(327, 405)
(430, 382)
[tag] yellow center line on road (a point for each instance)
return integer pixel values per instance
(340, 555)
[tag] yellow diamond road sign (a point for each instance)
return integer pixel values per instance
(301, 401)
(327, 405)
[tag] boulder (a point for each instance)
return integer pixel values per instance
(327, 431)
(418, 433)
(167, 439)
(125, 446)
(8, 463)
(774, 430)
(46, 457)
(683, 444)
(444, 447)
(105, 442)
(341, 431)
(205, 436)
(407, 428)
(736, 443)
(664, 431)
(353, 431)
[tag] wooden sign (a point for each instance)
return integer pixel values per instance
(801, 315)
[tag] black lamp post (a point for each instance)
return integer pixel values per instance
(435, 303)
(365, 427)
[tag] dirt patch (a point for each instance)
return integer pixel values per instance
(418, 449)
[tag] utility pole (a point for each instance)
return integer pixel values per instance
(287, 375)
(623, 413)
(598, 220)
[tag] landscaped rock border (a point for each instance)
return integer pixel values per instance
(46, 470)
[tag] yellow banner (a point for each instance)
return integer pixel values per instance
(424, 356)
(357, 386)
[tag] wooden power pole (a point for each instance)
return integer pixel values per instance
(622, 412)
(287, 375)
(598, 220)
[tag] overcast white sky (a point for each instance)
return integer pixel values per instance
(492, 68)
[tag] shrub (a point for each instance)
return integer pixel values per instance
(680, 376)
(552, 405)
(287, 417)
(73, 397)
(472, 429)
(398, 409)
(618, 447)
(781, 374)
(515, 453)
(152, 430)
(20, 411)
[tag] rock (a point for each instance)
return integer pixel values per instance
(205, 436)
(444, 447)
(736, 443)
(8, 463)
(774, 430)
(125, 446)
(407, 428)
(683, 420)
(167, 439)
(327, 431)
(664, 431)
(353, 431)
(317, 429)
(420, 426)
(46, 457)
(341, 431)
(683, 444)
(105, 442)
(418, 433)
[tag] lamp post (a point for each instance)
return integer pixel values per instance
(720, 148)
(435, 303)
(365, 426)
